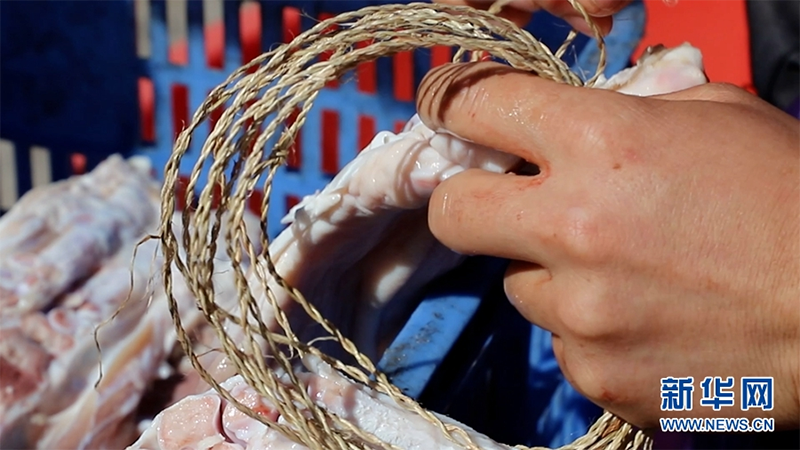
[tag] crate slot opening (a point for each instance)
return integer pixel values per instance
(294, 161)
(41, 166)
(180, 108)
(77, 162)
(441, 55)
(214, 33)
(291, 201)
(141, 14)
(178, 32)
(255, 200)
(333, 84)
(8, 175)
(147, 108)
(250, 29)
(330, 142)
(366, 131)
(366, 74)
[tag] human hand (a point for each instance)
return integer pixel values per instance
(520, 11)
(659, 240)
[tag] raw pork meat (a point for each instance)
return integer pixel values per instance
(66, 254)
(65, 267)
(206, 421)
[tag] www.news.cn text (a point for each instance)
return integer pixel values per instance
(722, 425)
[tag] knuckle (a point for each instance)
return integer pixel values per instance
(581, 236)
(443, 209)
(514, 283)
(586, 316)
(594, 378)
(451, 211)
(525, 287)
(723, 92)
(599, 135)
(584, 372)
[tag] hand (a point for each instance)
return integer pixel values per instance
(520, 11)
(659, 239)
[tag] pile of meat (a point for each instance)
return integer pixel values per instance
(359, 250)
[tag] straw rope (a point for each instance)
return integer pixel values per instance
(259, 99)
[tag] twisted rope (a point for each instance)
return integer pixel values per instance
(261, 97)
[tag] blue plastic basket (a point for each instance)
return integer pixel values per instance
(73, 85)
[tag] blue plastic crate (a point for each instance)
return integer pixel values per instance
(73, 79)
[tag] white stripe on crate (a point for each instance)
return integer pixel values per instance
(214, 33)
(212, 12)
(8, 175)
(142, 14)
(41, 170)
(177, 24)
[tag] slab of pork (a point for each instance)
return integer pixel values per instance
(65, 267)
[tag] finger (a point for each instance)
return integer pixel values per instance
(514, 111)
(531, 289)
(529, 6)
(580, 25)
(600, 12)
(594, 8)
(560, 8)
(520, 16)
(503, 215)
(521, 11)
(714, 92)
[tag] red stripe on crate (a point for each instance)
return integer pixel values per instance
(291, 201)
(178, 53)
(254, 202)
(295, 158)
(324, 56)
(441, 55)
(214, 116)
(78, 163)
(330, 142)
(216, 196)
(291, 23)
(366, 131)
(147, 107)
(180, 108)
(180, 192)
(404, 76)
(366, 74)
(398, 126)
(177, 33)
(214, 34)
(250, 30)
